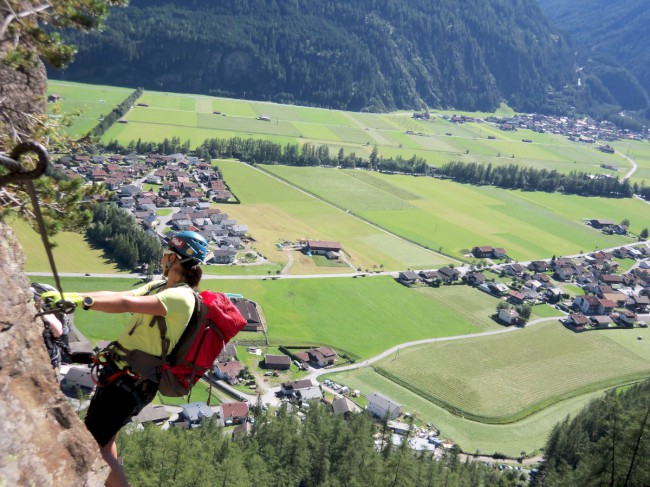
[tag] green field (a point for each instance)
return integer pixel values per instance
(531, 369)
(444, 215)
(360, 316)
(94, 101)
(71, 252)
(274, 211)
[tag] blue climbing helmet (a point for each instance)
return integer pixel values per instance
(190, 245)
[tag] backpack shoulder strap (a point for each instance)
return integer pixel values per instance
(162, 324)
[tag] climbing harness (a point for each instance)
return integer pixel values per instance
(104, 371)
(17, 173)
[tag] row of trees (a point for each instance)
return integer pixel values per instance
(322, 450)
(509, 176)
(513, 176)
(118, 112)
(258, 151)
(122, 238)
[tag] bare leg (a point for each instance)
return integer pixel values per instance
(116, 478)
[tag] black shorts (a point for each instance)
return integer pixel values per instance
(115, 404)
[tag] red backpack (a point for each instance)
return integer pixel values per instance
(214, 323)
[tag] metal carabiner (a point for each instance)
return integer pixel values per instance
(17, 173)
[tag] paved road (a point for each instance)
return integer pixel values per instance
(632, 169)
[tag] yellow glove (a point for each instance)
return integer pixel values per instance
(53, 299)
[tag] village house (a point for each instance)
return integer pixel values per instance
(322, 356)
(638, 303)
(448, 274)
(343, 406)
(600, 321)
(152, 414)
(234, 412)
(587, 304)
(508, 316)
(577, 321)
(514, 269)
(474, 278)
(408, 278)
(229, 371)
(538, 266)
(288, 389)
(383, 407)
(432, 278)
(194, 413)
(626, 318)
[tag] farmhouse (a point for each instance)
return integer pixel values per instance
(319, 247)
(382, 407)
(482, 252)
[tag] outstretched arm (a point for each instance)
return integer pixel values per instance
(125, 303)
(110, 302)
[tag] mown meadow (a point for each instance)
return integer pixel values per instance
(91, 102)
(452, 218)
(531, 369)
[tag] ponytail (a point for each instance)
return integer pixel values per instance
(193, 273)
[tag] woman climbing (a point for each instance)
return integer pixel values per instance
(121, 392)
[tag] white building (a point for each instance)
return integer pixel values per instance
(380, 406)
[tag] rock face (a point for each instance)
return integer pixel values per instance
(43, 442)
(22, 98)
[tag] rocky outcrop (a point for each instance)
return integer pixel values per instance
(22, 98)
(43, 442)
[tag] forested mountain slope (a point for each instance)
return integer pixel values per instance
(358, 55)
(613, 45)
